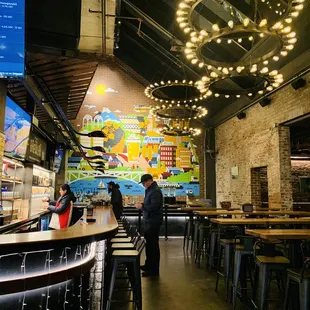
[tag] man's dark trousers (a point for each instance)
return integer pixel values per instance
(151, 235)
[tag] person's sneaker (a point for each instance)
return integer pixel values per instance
(143, 267)
(149, 274)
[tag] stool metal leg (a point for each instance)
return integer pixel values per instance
(304, 291)
(238, 258)
(185, 234)
(219, 266)
(287, 293)
(263, 294)
(112, 284)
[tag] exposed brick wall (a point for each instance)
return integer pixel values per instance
(300, 169)
(258, 141)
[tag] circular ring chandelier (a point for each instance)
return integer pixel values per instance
(187, 7)
(179, 112)
(280, 31)
(288, 11)
(268, 82)
(285, 40)
(151, 90)
(179, 128)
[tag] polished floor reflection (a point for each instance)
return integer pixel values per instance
(181, 284)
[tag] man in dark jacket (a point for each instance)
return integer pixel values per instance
(152, 208)
(116, 199)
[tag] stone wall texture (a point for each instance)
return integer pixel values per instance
(259, 140)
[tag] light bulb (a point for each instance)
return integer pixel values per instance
(246, 22)
(230, 24)
(215, 27)
(263, 23)
(286, 29)
(292, 41)
(291, 35)
(289, 47)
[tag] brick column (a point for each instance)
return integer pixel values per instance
(285, 168)
(255, 187)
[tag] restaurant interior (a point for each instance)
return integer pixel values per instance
(209, 97)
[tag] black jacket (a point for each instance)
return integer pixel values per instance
(117, 202)
(152, 206)
(64, 203)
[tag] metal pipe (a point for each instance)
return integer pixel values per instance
(153, 23)
(103, 15)
(291, 80)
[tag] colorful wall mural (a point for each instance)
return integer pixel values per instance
(133, 147)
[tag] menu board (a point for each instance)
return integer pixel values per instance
(36, 151)
(12, 38)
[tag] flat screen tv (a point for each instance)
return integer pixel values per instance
(58, 159)
(12, 39)
(17, 125)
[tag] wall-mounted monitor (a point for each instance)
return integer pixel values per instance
(12, 39)
(59, 153)
(36, 151)
(16, 129)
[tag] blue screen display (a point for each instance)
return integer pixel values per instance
(58, 159)
(12, 39)
(17, 125)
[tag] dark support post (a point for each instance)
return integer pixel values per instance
(166, 222)
(210, 166)
(139, 221)
(30, 104)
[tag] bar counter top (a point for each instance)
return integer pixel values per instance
(105, 227)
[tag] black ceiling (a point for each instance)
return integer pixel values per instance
(149, 53)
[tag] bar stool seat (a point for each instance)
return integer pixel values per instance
(123, 246)
(266, 266)
(272, 260)
(131, 258)
(120, 235)
(120, 240)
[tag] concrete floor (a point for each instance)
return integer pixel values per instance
(181, 285)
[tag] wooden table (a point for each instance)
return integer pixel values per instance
(280, 234)
(104, 227)
(261, 221)
(258, 213)
(293, 236)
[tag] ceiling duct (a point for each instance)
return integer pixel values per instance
(97, 33)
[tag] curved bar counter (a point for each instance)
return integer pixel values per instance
(46, 270)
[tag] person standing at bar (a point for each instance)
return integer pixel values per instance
(152, 209)
(116, 199)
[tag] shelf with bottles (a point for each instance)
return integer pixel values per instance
(42, 187)
(12, 171)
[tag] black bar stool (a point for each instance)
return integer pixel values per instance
(227, 240)
(131, 258)
(244, 259)
(302, 278)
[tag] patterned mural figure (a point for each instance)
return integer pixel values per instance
(133, 147)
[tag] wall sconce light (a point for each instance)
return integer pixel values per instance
(95, 148)
(92, 134)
